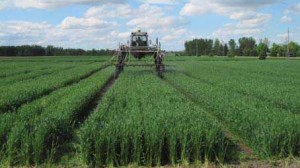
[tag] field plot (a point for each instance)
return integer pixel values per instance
(70, 111)
(142, 120)
(13, 95)
(258, 102)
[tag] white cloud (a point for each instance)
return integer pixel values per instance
(286, 19)
(101, 27)
(153, 17)
(82, 38)
(42, 33)
(46, 4)
(23, 32)
(110, 11)
(23, 28)
(146, 16)
(293, 9)
(247, 3)
(167, 2)
(169, 29)
(249, 20)
(124, 35)
(147, 22)
(283, 37)
(234, 9)
(256, 21)
(246, 27)
(233, 30)
(174, 35)
(86, 23)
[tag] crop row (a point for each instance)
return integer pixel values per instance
(142, 120)
(11, 69)
(16, 94)
(13, 63)
(38, 129)
(279, 71)
(274, 90)
(34, 74)
(266, 129)
(283, 68)
(4, 65)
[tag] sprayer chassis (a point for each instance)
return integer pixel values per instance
(140, 52)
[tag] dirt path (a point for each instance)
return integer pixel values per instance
(93, 104)
(69, 149)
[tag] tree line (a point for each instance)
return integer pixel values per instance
(36, 50)
(245, 46)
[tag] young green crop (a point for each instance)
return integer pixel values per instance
(266, 129)
(9, 69)
(278, 88)
(42, 125)
(14, 95)
(142, 120)
(35, 74)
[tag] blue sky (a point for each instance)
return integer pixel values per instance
(104, 23)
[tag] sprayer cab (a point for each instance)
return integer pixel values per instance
(139, 39)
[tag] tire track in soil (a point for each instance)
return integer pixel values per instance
(17, 106)
(68, 148)
(96, 100)
(243, 148)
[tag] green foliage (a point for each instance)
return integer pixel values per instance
(36, 50)
(281, 50)
(199, 47)
(41, 127)
(217, 46)
(149, 123)
(225, 50)
(262, 50)
(260, 103)
(16, 94)
(49, 50)
(142, 120)
(247, 46)
(278, 50)
(19, 75)
(293, 49)
(232, 47)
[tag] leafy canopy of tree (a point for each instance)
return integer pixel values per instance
(262, 49)
(35, 50)
(199, 47)
(245, 46)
